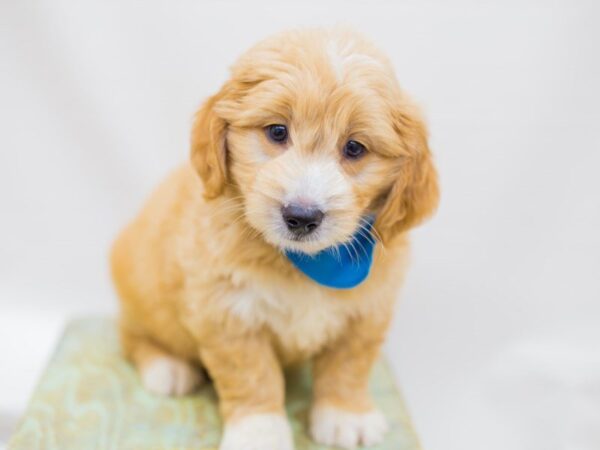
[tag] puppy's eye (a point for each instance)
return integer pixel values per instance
(354, 150)
(277, 133)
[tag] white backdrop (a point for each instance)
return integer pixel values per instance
(496, 340)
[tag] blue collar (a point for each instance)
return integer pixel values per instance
(343, 266)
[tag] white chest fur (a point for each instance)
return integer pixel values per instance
(302, 316)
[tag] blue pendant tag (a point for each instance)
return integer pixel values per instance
(342, 267)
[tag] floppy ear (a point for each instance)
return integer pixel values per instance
(208, 147)
(415, 193)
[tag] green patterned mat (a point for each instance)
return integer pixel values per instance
(90, 398)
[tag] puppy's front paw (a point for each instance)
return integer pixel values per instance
(165, 375)
(258, 432)
(336, 427)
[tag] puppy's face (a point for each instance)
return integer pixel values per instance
(313, 130)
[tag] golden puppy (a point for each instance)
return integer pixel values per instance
(309, 138)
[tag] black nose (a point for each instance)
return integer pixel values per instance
(300, 220)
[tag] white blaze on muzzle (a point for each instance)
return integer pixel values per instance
(314, 181)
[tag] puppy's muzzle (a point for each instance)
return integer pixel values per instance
(300, 220)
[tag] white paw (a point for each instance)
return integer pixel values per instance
(258, 432)
(335, 427)
(170, 376)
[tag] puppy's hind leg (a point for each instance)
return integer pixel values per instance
(160, 372)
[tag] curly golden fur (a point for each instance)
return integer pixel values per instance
(200, 272)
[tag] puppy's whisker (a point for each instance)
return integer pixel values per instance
(364, 232)
(237, 219)
(372, 230)
(226, 199)
(362, 246)
(224, 212)
(337, 254)
(227, 208)
(349, 250)
(249, 232)
(230, 201)
(356, 253)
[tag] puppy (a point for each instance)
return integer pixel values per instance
(307, 144)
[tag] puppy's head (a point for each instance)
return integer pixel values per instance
(314, 132)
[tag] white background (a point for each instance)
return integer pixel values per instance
(496, 340)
